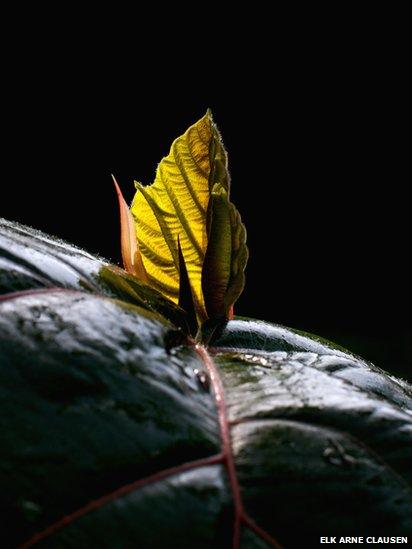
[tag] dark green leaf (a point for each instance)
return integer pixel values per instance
(102, 401)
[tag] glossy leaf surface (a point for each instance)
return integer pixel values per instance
(108, 418)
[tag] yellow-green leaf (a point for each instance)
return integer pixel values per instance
(186, 210)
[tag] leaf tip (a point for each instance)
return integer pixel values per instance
(132, 260)
(116, 185)
(137, 185)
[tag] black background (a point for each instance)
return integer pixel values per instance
(317, 155)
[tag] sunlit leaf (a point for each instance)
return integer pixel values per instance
(191, 183)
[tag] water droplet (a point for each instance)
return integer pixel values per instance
(203, 379)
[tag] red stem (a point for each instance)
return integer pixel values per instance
(228, 459)
(38, 291)
(100, 502)
(218, 390)
(250, 523)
